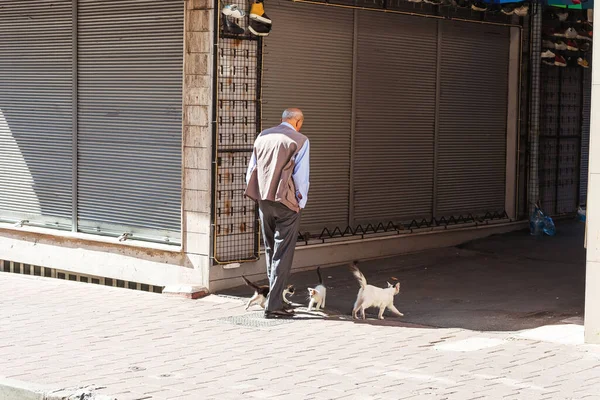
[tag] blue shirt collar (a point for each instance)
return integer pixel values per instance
(288, 125)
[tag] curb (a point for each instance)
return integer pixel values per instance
(186, 291)
(11, 389)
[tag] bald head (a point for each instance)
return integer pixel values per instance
(294, 117)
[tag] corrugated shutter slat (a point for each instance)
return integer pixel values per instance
(308, 64)
(130, 116)
(585, 136)
(395, 113)
(36, 111)
(472, 119)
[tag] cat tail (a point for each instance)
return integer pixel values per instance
(358, 275)
(320, 277)
(252, 285)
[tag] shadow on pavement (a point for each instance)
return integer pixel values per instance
(506, 282)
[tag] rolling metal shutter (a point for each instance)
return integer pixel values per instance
(308, 64)
(585, 135)
(395, 114)
(130, 117)
(472, 118)
(36, 112)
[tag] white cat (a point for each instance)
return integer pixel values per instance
(372, 296)
(317, 294)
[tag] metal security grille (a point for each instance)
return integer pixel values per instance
(130, 69)
(564, 127)
(535, 45)
(562, 123)
(239, 58)
(36, 70)
(569, 141)
(548, 143)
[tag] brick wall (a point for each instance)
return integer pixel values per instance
(197, 104)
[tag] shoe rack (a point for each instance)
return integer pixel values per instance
(238, 121)
(566, 36)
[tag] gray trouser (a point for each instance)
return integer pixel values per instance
(280, 232)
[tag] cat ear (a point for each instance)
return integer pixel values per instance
(397, 286)
(389, 285)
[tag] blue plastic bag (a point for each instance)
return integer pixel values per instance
(549, 228)
(536, 222)
(540, 223)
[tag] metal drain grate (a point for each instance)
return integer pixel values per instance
(254, 320)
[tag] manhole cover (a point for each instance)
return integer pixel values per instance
(255, 320)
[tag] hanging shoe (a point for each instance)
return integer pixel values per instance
(460, 3)
(233, 11)
(548, 44)
(560, 61)
(479, 6)
(570, 33)
(572, 46)
(522, 11)
(259, 29)
(559, 33)
(584, 35)
(548, 61)
(508, 9)
(231, 27)
(562, 16)
(585, 46)
(560, 45)
(583, 62)
(257, 13)
(548, 54)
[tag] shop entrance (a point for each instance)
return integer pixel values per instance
(410, 118)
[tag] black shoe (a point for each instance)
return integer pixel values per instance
(231, 27)
(288, 307)
(279, 314)
(258, 28)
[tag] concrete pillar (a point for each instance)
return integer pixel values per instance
(592, 290)
(197, 109)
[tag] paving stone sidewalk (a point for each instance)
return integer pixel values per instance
(138, 345)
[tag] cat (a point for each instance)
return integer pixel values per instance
(372, 296)
(261, 292)
(318, 294)
(288, 291)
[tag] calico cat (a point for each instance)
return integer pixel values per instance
(261, 292)
(372, 296)
(317, 294)
(288, 291)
